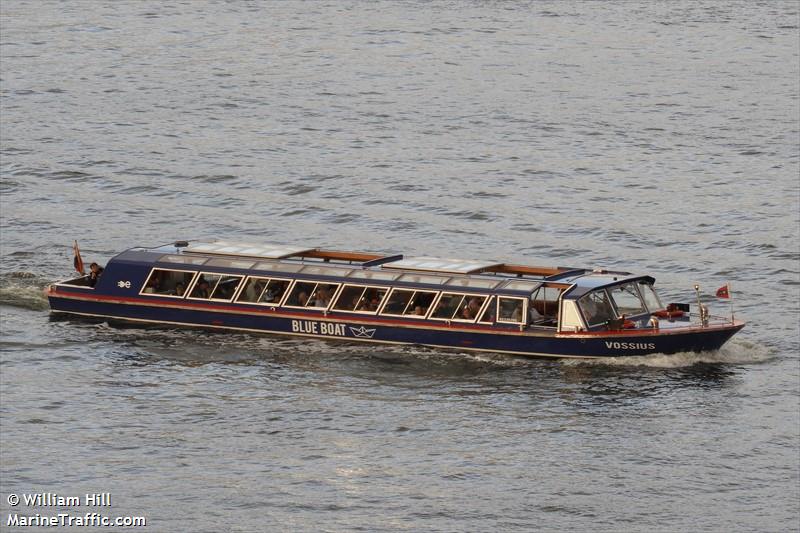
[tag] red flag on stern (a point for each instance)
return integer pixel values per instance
(77, 261)
(723, 292)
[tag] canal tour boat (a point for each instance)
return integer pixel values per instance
(471, 305)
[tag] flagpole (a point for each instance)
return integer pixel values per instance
(730, 293)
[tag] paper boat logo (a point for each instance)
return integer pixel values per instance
(362, 332)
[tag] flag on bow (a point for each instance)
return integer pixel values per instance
(77, 261)
(723, 292)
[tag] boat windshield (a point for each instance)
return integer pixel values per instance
(651, 299)
(596, 308)
(627, 300)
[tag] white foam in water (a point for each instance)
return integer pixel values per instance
(734, 352)
(23, 289)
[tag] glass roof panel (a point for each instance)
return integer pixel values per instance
(326, 270)
(374, 274)
(522, 285)
(480, 283)
(183, 259)
(279, 267)
(422, 278)
(270, 251)
(436, 264)
(230, 263)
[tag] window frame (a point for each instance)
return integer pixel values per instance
(414, 293)
(214, 288)
(498, 320)
(258, 302)
(185, 292)
(316, 283)
(235, 291)
(491, 298)
(338, 294)
(558, 302)
(464, 295)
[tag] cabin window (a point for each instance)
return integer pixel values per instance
(274, 291)
(252, 290)
(168, 282)
(398, 301)
(650, 297)
(263, 290)
(511, 310)
(544, 305)
(311, 294)
(596, 308)
(358, 298)
(226, 288)
(489, 313)
(452, 306)
(409, 303)
(627, 300)
(204, 285)
(448, 305)
(211, 286)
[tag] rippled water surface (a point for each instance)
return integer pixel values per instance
(660, 138)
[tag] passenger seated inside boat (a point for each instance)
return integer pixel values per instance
(201, 290)
(367, 304)
(301, 298)
(321, 297)
(420, 303)
(274, 291)
(253, 290)
(471, 309)
(152, 286)
(372, 299)
(510, 310)
(225, 288)
(95, 271)
(179, 289)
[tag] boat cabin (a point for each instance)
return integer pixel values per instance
(378, 287)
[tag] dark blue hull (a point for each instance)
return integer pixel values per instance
(530, 342)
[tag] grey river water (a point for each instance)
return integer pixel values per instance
(656, 137)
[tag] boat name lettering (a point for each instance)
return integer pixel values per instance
(631, 345)
(318, 328)
(124, 284)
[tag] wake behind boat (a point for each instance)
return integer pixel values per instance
(448, 303)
